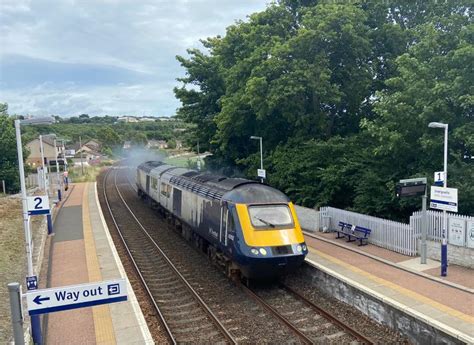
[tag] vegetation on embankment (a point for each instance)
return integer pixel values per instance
(342, 95)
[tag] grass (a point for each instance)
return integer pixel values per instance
(186, 160)
(12, 255)
(90, 173)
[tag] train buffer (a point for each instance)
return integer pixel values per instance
(353, 233)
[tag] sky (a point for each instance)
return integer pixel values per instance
(98, 57)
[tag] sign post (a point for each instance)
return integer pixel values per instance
(416, 187)
(75, 296)
(35, 321)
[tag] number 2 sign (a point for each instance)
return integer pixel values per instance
(38, 204)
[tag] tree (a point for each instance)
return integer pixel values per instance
(342, 95)
(8, 158)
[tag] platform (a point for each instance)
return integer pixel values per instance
(446, 305)
(82, 251)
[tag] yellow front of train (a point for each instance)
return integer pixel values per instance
(273, 243)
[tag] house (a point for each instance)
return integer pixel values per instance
(34, 159)
(147, 119)
(90, 146)
(157, 144)
(127, 119)
(127, 145)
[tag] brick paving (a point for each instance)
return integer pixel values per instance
(448, 296)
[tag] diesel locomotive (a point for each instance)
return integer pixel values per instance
(248, 228)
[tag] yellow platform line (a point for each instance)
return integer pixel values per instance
(393, 286)
(104, 330)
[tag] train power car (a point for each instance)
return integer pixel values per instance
(249, 228)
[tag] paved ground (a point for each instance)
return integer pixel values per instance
(438, 302)
(81, 252)
(456, 274)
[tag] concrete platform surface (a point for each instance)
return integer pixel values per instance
(82, 251)
(445, 307)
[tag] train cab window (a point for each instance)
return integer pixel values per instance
(154, 183)
(270, 216)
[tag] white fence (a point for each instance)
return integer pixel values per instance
(435, 223)
(31, 180)
(395, 236)
(399, 237)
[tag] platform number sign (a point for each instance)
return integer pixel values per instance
(38, 204)
(439, 178)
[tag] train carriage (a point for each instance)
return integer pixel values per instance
(247, 227)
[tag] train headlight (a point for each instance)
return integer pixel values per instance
(298, 248)
(254, 251)
(263, 251)
(304, 247)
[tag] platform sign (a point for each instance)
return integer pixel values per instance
(444, 199)
(457, 231)
(38, 204)
(76, 296)
(439, 177)
(261, 173)
(470, 233)
(31, 283)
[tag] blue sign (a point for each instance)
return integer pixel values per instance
(76, 296)
(32, 283)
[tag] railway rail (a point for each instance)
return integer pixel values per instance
(184, 315)
(310, 323)
(297, 321)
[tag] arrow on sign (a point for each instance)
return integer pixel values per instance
(38, 299)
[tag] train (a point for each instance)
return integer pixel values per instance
(248, 228)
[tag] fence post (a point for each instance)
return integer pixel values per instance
(14, 291)
(3, 187)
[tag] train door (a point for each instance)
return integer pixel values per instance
(177, 202)
(223, 224)
(148, 184)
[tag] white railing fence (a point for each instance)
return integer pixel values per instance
(388, 234)
(435, 223)
(396, 236)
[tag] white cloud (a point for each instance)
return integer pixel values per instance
(143, 37)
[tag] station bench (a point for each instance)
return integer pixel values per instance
(353, 233)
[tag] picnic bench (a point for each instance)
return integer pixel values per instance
(353, 233)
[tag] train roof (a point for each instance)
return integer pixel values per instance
(215, 186)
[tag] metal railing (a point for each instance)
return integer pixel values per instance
(399, 237)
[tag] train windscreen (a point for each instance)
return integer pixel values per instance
(270, 216)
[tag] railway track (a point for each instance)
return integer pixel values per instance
(310, 323)
(280, 314)
(184, 315)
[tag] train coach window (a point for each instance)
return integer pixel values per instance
(165, 189)
(270, 216)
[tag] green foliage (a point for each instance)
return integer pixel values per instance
(342, 95)
(9, 159)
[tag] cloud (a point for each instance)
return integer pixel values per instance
(85, 50)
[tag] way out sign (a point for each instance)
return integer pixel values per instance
(38, 204)
(444, 199)
(75, 296)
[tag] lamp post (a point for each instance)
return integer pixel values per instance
(46, 189)
(261, 152)
(57, 171)
(35, 320)
(444, 244)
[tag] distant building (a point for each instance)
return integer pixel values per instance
(127, 119)
(164, 118)
(33, 146)
(179, 144)
(159, 144)
(127, 145)
(147, 119)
